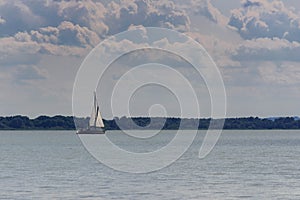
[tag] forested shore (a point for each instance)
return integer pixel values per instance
(67, 123)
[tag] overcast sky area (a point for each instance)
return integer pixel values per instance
(254, 43)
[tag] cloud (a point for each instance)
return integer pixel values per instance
(286, 73)
(88, 14)
(142, 12)
(266, 49)
(33, 27)
(17, 17)
(205, 8)
(66, 34)
(266, 61)
(27, 73)
(14, 60)
(74, 27)
(9, 46)
(220, 50)
(249, 3)
(101, 18)
(41, 88)
(28, 15)
(2, 21)
(42, 44)
(262, 18)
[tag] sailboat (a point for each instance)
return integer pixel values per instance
(96, 125)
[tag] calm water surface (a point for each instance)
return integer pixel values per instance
(243, 165)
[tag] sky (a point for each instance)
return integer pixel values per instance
(254, 43)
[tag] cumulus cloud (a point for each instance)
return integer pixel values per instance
(262, 18)
(21, 15)
(266, 49)
(17, 17)
(74, 25)
(141, 12)
(32, 27)
(66, 34)
(84, 13)
(205, 8)
(67, 30)
(9, 47)
(14, 48)
(101, 18)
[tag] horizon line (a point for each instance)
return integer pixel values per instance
(178, 117)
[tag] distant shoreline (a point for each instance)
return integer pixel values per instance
(60, 122)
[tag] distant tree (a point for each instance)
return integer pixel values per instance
(67, 123)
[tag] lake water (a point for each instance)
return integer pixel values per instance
(243, 165)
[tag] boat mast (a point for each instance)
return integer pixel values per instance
(95, 108)
(96, 118)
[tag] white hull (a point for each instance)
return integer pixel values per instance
(91, 131)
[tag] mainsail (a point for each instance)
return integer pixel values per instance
(96, 119)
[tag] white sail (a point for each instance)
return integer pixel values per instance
(96, 118)
(99, 122)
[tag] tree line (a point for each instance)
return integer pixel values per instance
(68, 123)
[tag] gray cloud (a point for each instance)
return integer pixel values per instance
(101, 18)
(21, 15)
(261, 18)
(10, 47)
(65, 34)
(88, 14)
(205, 8)
(266, 49)
(20, 59)
(17, 17)
(26, 73)
(51, 27)
(67, 30)
(142, 12)
(2, 21)
(249, 3)
(285, 73)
